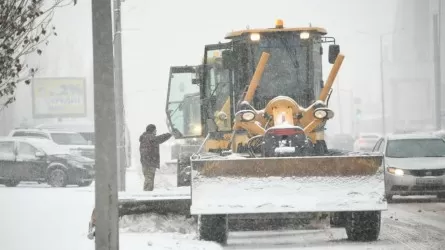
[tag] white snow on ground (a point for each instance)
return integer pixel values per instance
(163, 232)
(277, 194)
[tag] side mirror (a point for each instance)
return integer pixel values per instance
(196, 81)
(39, 154)
(334, 50)
(228, 59)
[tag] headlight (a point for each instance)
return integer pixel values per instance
(395, 171)
(320, 114)
(304, 35)
(75, 164)
(248, 116)
(255, 36)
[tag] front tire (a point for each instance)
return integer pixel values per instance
(363, 226)
(213, 228)
(441, 195)
(57, 178)
(12, 183)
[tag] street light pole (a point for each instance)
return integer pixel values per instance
(120, 124)
(382, 87)
(106, 202)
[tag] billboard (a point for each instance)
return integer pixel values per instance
(59, 97)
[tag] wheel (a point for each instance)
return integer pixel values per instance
(85, 183)
(12, 183)
(363, 226)
(57, 178)
(213, 228)
(441, 195)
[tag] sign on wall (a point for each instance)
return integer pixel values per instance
(59, 97)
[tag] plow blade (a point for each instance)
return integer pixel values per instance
(287, 185)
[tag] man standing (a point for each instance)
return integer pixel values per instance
(149, 150)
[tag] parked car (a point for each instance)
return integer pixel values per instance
(41, 160)
(414, 164)
(69, 140)
(340, 141)
(366, 142)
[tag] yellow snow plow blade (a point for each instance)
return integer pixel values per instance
(292, 184)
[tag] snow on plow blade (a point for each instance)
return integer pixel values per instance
(283, 185)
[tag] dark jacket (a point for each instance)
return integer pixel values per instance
(149, 148)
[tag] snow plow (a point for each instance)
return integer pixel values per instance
(272, 161)
(263, 111)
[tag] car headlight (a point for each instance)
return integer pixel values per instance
(395, 171)
(75, 164)
(248, 116)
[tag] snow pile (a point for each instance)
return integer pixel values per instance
(153, 223)
(150, 231)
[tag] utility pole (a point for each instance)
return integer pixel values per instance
(382, 87)
(437, 70)
(119, 91)
(106, 205)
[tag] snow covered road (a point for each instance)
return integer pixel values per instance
(37, 217)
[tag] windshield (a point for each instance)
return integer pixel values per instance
(68, 139)
(287, 67)
(412, 148)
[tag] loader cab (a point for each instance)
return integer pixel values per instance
(294, 69)
(183, 101)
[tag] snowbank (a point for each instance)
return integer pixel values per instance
(149, 231)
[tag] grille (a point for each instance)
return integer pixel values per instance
(422, 173)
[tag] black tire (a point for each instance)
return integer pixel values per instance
(57, 178)
(363, 226)
(213, 228)
(441, 195)
(12, 183)
(85, 183)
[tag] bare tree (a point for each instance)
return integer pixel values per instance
(25, 26)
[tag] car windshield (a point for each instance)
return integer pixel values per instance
(412, 148)
(69, 139)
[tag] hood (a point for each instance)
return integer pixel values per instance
(416, 163)
(73, 157)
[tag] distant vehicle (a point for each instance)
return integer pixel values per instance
(341, 141)
(72, 141)
(86, 129)
(366, 142)
(41, 160)
(440, 133)
(414, 164)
